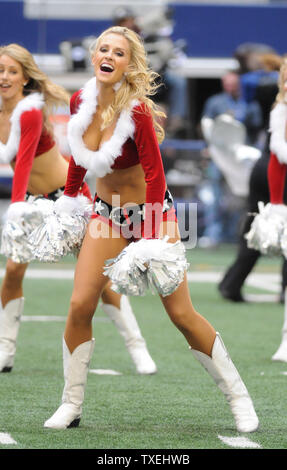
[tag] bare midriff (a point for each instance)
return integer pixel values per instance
(123, 187)
(49, 172)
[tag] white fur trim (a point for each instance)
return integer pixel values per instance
(71, 205)
(278, 121)
(9, 150)
(98, 162)
(17, 210)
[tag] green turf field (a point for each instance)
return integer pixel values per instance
(177, 408)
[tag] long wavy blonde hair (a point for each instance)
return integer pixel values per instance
(281, 96)
(139, 82)
(54, 95)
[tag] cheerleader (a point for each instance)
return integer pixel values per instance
(114, 132)
(277, 174)
(27, 99)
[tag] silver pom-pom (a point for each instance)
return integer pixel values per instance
(60, 234)
(148, 264)
(15, 243)
(267, 229)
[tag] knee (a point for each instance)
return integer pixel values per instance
(182, 318)
(81, 311)
(14, 273)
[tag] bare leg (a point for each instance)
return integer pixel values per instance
(10, 315)
(198, 332)
(111, 297)
(78, 342)
(12, 285)
(89, 282)
(208, 348)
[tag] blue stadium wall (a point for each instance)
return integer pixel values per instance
(209, 30)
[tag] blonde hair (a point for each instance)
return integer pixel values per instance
(139, 81)
(54, 95)
(271, 62)
(280, 98)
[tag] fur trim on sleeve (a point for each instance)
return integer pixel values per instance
(9, 150)
(278, 121)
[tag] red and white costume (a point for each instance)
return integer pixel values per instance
(276, 180)
(134, 141)
(27, 140)
(278, 158)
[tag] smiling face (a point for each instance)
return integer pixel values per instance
(12, 78)
(111, 58)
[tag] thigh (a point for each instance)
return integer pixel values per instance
(15, 270)
(180, 299)
(169, 228)
(100, 244)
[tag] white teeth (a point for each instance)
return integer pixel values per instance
(107, 66)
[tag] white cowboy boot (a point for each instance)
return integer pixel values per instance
(281, 353)
(76, 366)
(127, 325)
(226, 376)
(10, 317)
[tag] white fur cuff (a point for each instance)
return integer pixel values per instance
(72, 205)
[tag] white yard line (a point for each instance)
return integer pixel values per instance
(239, 442)
(265, 281)
(46, 273)
(5, 438)
(44, 318)
(104, 372)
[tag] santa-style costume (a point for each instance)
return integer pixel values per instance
(27, 140)
(276, 180)
(134, 141)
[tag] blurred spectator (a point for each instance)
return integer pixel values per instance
(220, 226)
(230, 101)
(233, 281)
(164, 56)
(249, 55)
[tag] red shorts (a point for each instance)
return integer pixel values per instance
(129, 221)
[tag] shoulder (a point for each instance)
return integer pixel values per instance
(141, 113)
(75, 101)
(31, 118)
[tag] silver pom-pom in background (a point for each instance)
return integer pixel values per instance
(60, 233)
(15, 243)
(267, 228)
(148, 264)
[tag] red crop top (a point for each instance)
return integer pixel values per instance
(139, 147)
(276, 179)
(34, 141)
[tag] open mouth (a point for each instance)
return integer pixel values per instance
(106, 68)
(4, 85)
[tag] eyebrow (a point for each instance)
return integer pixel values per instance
(117, 48)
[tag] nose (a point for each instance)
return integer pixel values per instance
(108, 54)
(4, 74)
